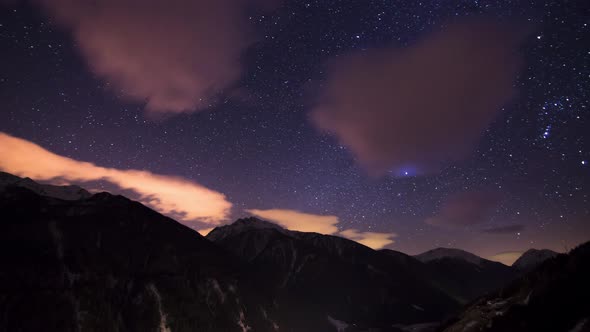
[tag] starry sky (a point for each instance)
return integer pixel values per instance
(400, 124)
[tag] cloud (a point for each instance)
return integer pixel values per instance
(306, 222)
(506, 257)
(465, 209)
(511, 229)
(174, 55)
(205, 231)
(175, 196)
(370, 239)
(299, 221)
(424, 106)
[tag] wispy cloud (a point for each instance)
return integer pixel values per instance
(175, 196)
(465, 209)
(323, 224)
(511, 229)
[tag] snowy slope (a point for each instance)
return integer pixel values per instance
(68, 193)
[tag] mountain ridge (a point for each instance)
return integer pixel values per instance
(94, 258)
(75, 192)
(69, 192)
(553, 296)
(441, 252)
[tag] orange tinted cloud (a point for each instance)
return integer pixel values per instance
(174, 55)
(307, 222)
(299, 221)
(370, 239)
(181, 198)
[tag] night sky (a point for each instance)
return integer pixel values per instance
(435, 123)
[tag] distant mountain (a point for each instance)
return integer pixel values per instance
(463, 275)
(320, 276)
(551, 297)
(61, 192)
(440, 253)
(532, 258)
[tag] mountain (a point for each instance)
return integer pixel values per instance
(321, 276)
(106, 263)
(458, 274)
(242, 225)
(440, 253)
(551, 297)
(532, 258)
(463, 275)
(72, 261)
(61, 192)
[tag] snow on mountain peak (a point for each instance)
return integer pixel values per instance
(69, 193)
(242, 225)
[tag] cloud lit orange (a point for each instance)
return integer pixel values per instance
(323, 224)
(370, 239)
(179, 197)
(299, 221)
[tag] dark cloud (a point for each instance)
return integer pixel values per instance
(174, 55)
(511, 229)
(465, 209)
(423, 106)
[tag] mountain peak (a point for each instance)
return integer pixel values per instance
(439, 253)
(242, 225)
(533, 257)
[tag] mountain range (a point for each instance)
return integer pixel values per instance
(73, 261)
(551, 297)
